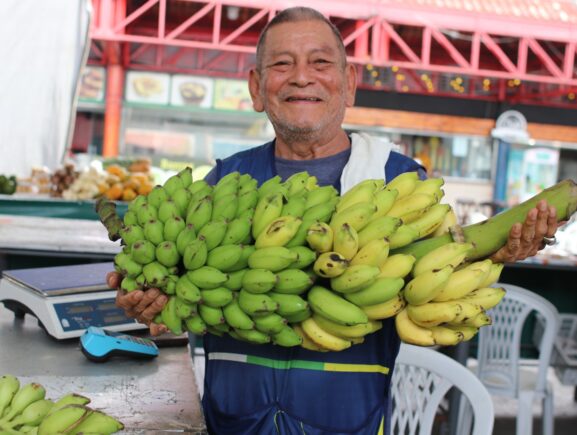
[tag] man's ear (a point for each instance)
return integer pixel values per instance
(254, 85)
(351, 83)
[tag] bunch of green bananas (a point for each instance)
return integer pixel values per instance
(294, 264)
(24, 409)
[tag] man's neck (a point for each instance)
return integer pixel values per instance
(307, 150)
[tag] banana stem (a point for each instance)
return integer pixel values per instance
(490, 235)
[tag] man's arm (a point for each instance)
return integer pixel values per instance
(526, 239)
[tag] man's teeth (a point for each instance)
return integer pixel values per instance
(303, 99)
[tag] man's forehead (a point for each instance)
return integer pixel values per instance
(312, 36)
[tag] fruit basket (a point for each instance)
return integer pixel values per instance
(564, 356)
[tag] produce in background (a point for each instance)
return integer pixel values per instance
(62, 179)
(8, 184)
(25, 409)
(116, 182)
(292, 263)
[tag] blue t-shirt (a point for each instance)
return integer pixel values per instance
(268, 389)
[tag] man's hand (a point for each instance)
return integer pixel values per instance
(527, 238)
(138, 304)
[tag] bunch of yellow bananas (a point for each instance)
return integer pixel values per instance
(25, 409)
(293, 263)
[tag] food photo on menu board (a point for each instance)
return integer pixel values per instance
(191, 91)
(92, 84)
(232, 95)
(144, 87)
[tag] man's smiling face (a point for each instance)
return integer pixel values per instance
(303, 82)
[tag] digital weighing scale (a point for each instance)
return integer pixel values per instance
(66, 300)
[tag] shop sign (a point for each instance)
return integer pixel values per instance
(511, 126)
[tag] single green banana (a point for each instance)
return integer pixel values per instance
(217, 297)
(196, 325)
(236, 317)
(355, 278)
(381, 290)
(167, 254)
(287, 337)
(63, 420)
(213, 233)
(9, 386)
(224, 257)
(275, 258)
(256, 304)
(212, 316)
(195, 254)
(259, 280)
(293, 281)
(168, 209)
(169, 317)
(379, 228)
(270, 323)
(207, 277)
(334, 307)
(186, 290)
(268, 208)
(288, 304)
(278, 232)
(305, 257)
(173, 226)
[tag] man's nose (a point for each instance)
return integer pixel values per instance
(302, 74)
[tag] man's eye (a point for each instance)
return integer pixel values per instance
(321, 61)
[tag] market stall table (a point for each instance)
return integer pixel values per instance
(148, 396)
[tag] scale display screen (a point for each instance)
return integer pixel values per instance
(82, 314)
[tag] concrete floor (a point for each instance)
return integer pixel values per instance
(505, 408)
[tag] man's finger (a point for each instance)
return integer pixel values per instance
(127, 301)
(154, 308)
(157, 329)
(113, 279)
(148, 298)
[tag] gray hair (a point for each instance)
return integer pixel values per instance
(293, 15)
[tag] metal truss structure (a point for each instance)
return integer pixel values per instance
(396, 45)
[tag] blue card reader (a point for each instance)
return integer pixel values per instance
(99, 345)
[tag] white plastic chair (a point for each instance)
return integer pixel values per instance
(421, 379)
(499, 351)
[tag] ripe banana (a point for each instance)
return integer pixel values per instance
(346, 241)
(397, 266)
(404, 183)
(429, 221)
(405, 235)
(330, 265)
(307, 343)
(374, 253)
(361, 192)
(444, 336)
(467, 331)
(357, 217)
(322, 337)
(451, 254)
(335, 307)
(427, 285)
(460, 283)
(493, 275)
(411, 333)
(387, 309)
(411, 207)
(468, 311)
(434, 313)
(384, 200)
(278, 232)
(268, 208)
(320, 237)
(321, 195)
(487, 297)
(355, 278)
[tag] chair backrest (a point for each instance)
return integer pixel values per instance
(500, 344)
(421, 379)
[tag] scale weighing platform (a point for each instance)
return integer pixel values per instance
(66, 300)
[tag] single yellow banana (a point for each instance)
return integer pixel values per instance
(386, 309)
(433, 313)
(397, 266)
(405, 235)
(426, 286)
(493, 275)
(450, 254)
(320, 237)
(384, 200)
(411, 333)
(404, 183)
(330, 265)
(361, 192)
(357, 217)
(487, 297)
(429, 221)
(374, 253)
(444, 336)
(468, 311)
(322, 337)
(460, 283)
(268, 208)
(346, 241)
(307, 343)
(411, 207)
(278, 232)
(467, 331)
(450, 220)
(430, 186)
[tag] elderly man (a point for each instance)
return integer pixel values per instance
(304, 84)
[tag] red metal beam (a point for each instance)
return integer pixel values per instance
(383, 35)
